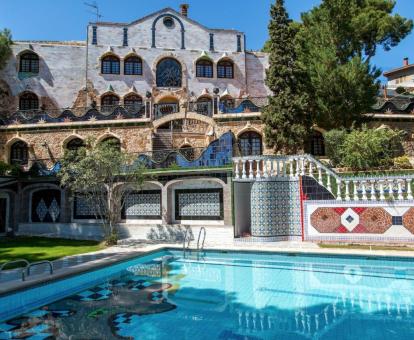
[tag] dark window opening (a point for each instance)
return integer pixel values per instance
(112, 142)
(28, 101)
(317, 144)
(110, 65)
(133, 102)
(29, 62)
(225, 69)
(250, 144)
(133, 66)
(75, 144)
(125, 41)
(19, 153)
(169, 73)
(204, 69)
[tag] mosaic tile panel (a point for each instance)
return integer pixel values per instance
(84, 209)
(199, 204)
(362, 220)
(275, 209)
(408, 220)
(142, 205)
(46, 206)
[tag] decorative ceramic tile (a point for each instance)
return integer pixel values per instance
(275, 209)
(146, 204)
(376, 220)
(326, 220)
(199, 204)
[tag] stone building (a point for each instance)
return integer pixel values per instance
(164, 87)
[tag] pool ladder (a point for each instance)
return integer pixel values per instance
(187, 240)
(25, 271)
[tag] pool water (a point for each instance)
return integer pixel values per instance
(217, 295)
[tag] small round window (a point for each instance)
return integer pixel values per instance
(168, 22)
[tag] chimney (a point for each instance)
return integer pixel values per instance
(405, 61)
(184, 9)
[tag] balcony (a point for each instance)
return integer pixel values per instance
(145, 111)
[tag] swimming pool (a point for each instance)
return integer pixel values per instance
(219, 295)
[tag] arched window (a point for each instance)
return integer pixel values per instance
(133, 102)
(112, 142)
(75, 144)
(204, 68)
(110, 65)
(317, 144)
(133, 66)
(188, 152)
(250, 143)
(225, 69)
(204, 106)
(109, 102)
(227, 103)
(29, 62)
(19, 153)
(28, 101)
(169, 73)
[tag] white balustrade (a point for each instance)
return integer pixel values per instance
(347, 188)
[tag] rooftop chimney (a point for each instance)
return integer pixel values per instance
(184, 9)
(405, 62)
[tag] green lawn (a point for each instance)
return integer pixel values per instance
(40, 248)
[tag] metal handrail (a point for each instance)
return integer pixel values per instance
(39, 263)
(23, 269)
(204, 238)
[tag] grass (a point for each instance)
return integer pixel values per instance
(365, 247)
(40, 248)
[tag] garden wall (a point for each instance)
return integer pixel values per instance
(359, 222)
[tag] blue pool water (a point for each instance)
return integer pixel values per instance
(218, 295)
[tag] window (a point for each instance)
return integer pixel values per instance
(94, 35)
(19, 153)
(133, 101)
(133, 66)
(110, 65)
(29, 62)
(28, 101)
(204, 69)
(125, 41)
(169, 73)
(109, 102)
(317, 144)
(250, 144)
(168, 22)
(225, 69)
(75, 144)
(188, 152)
(112, 142)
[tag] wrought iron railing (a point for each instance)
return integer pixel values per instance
(77, 114)
(243, 105)
(202, 108)
(161, 110)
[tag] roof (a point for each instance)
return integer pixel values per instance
(51, 42)
(399, 69)
(396, 104)
(161, 11)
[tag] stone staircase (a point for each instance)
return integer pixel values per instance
(162, 140)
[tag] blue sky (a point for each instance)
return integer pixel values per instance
(67, 19)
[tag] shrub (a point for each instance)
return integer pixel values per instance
(400, 90)
(4, 168)
(402, 162)
(367, 148)
(333, 143)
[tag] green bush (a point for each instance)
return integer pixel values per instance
(402, 162)
(4, 168)
(333, 143)
(367, 148)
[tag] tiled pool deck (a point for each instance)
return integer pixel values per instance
(11, 280)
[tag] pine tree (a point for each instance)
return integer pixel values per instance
(285, 116)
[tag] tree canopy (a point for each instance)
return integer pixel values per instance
(285, 118)
(335, 44)
(102, 175)
(5, 47)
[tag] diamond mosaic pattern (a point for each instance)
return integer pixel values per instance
(54, 210)
(271, 212)
(199, 204)
(41, 210)
(365, 220)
